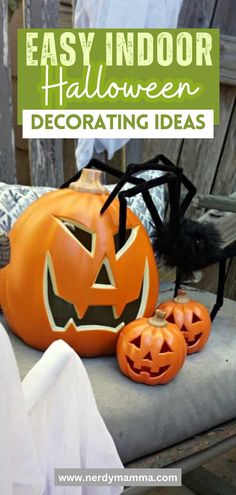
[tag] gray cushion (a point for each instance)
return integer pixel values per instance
(143, 419)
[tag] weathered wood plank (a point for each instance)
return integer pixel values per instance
(200, 157)
(69, 158)
(21, 145)
(224, 466)
(118, 161)
(65, 14)
(168, 147)
(41, 13)
(225, 17)
(228, 59)
(204, 482)
(46, 155)
(222, 203)
(209, 279)
(138, 490)
(46, 162)
(230, 285)
(226, 223)
(7, 141)
(225, 180)
(185, 449)
(196, 14)
(134, 151)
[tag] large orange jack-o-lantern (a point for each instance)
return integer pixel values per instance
(68, 279)
(192, 318)
(151, 351)
(5, 255)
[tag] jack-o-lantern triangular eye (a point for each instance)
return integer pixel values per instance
(165, 348)
(195, 318)
(130, 235)
(81, 234)
(170, 318)
(116, 239)
(136, 342)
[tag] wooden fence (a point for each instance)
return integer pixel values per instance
(210, 164)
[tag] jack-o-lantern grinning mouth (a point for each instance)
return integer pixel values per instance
(192, 342)
(195, 340)
(146, 369)
(62, 313)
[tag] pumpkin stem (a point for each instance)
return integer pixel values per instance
(90, 181)
(181, 297)
(158, 320)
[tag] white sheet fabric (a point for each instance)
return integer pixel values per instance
(67, 427)
(54, 423)
(19, 471)
(127, 14)
(120, 14)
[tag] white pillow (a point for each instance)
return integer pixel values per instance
(14, 199)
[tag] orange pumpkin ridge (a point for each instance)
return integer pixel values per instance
(151, 351)
(67, 278)
(191, 317)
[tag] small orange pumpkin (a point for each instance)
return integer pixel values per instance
(192, 318)
(69, 279)
(151, 351)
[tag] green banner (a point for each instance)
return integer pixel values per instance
(114, 69)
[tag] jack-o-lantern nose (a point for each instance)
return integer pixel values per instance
(105, 276)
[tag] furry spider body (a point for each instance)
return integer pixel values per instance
(195, 246)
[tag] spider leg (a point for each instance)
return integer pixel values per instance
(226, 253)
(220, 289)
(168, 166)
(95, 163)
(133, 168)
(177, 280)
(124, 179)
(174, 187)
(143, 188)
(165, 164)
(136, 168)
(160, 158)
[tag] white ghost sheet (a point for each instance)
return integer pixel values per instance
(19, 472)
(67, 427)
(50, 421)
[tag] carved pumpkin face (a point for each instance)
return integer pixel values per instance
(151, 351)
(191, 317)
(69, 280)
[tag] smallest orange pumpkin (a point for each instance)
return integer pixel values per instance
(191, 317)
(151, 351)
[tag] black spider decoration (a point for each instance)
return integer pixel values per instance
(183, 243)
